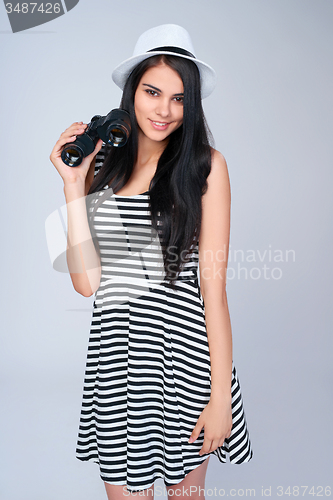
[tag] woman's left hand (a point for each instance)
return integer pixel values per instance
(216, 418)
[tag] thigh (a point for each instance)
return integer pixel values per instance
(118, 492)
(192, 486)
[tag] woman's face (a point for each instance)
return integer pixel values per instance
(158, 102)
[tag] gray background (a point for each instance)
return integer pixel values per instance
(271, 116)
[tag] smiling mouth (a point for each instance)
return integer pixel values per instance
(160, 124)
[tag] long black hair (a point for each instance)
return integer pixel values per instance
(180, 179)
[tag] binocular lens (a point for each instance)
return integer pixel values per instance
(118, 135)
(71, 157)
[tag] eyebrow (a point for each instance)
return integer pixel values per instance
(158, 90)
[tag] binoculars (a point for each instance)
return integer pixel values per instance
(114, 129)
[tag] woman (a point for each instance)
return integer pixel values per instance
(161, 392)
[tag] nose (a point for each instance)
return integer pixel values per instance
(163, 108)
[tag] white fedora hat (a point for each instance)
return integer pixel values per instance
(165, 39)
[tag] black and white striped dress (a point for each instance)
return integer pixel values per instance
(147, 375)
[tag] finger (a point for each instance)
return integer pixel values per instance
(196, 431)
(205, 447)
(220, 443)
(70, 134)
(99, 144)
(61, 142)
(97, 148)
(214, 445)
(75, 129)
(78, 124)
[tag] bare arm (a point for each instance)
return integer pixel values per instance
(213, 260)
(82, 258)
(216, 418)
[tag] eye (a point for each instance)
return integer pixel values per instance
(151, 92)
(179, 99)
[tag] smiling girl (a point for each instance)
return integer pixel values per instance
(161, 393)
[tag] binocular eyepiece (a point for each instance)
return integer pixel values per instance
(114, 129)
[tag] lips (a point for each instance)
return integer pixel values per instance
(159, 125)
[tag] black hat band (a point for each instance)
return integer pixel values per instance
(176, 50)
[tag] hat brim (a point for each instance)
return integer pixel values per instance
(207, 74)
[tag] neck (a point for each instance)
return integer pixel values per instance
(149, 151)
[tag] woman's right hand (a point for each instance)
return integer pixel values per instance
(72, 174)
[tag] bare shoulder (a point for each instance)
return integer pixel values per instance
(218, 180)
(218, 158)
